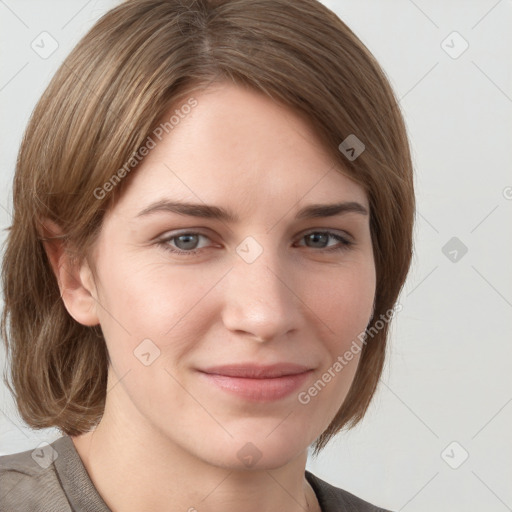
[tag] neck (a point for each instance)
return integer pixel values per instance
(135, 468)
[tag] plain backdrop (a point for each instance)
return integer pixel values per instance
(437, 435)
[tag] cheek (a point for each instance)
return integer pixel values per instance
(343, 301)
(152, 317)
(153, 301)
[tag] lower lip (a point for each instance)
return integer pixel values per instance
(260, 390)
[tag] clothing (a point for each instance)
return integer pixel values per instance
(43, 480)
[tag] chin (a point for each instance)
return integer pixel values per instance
(256, 450)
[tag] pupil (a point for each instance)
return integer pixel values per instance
(186, 241)
(318, 237)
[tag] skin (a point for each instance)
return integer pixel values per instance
(168, 441)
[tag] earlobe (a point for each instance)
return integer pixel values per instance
(75, 281)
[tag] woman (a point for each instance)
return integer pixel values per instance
(213, 209)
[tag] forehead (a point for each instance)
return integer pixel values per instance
(238, 145)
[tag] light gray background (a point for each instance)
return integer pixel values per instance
(448, 374)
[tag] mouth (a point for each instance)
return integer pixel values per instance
(256, 382)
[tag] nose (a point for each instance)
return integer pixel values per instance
(260, 300)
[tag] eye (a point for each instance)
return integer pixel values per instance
(187, 243)
(320, 240)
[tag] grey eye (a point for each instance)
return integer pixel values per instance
(317, 240)
(186, 242)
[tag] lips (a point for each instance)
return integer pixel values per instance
(253, 371)
(258, 382)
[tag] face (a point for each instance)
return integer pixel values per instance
(220, 318)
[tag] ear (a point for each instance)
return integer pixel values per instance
(76, 283)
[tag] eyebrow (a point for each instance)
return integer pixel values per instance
(219, 213)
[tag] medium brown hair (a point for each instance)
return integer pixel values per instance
(108, 96)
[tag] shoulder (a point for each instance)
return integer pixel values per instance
(28, 481)
(334, 499)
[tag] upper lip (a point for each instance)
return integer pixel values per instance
(256, 371)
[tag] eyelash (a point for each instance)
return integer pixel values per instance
(164, 243)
